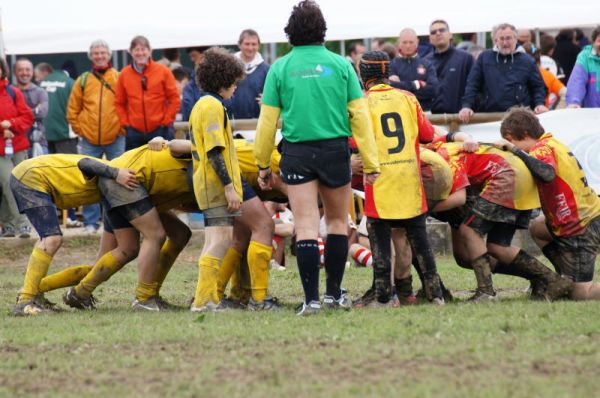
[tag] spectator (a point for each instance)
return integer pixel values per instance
(475, 51)
(356, 51)
(583, 89)
(92, 115)
(468, 41)
(245, 103)
(581, 39)
(182, 78)
(547, 46)
(146, 99)
(506, 77)
(556, 90)
(37, 100)
(191, 92)
(566, 51)
(15, 119)
(389, 49)
(70, 68)
(410, 72)
(61, 138)
(377, 44)
(171, 58)
(524, 36)
(452, 67)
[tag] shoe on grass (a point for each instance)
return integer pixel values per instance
(152, 305)
(8, 231)
(343, 303)
(71, 299)
(481, 297)
(312, 308)
(46, 304)
(24, 231)
(28, 308)
(268, 304)
(209, 307)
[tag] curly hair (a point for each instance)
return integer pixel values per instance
(520, 122)
(219, 70)
(306, 24)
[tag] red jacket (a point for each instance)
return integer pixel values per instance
(18, 114)
(147, 109)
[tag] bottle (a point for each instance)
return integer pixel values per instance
(8, 148)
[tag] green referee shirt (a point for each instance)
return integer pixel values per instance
(312, 86)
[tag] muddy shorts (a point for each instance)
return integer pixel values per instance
(38, 207)
(119, 217)
(219, 217)
(327, 161)
(115, 195)
(577, 254)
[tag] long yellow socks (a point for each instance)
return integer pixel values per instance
(39, 262)
(259, 256)
(208, 275)
(104, 268)
(229, 266)
(168, 253)
(67, 277)
(145, 291)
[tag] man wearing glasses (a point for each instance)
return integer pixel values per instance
(503, 77)
(452, 67)
(147, 99)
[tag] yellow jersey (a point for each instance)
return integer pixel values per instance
(398, 124)
(210, 129)
(436, 175)
(59, 176)
(164, 177)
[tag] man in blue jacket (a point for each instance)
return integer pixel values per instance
(412, 73)
(503, 77)
(245, 103)
(452, 67)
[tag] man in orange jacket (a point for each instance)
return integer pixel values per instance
(92, 115)
(147, 99)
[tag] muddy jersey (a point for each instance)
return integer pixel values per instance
(398, 125)
(450, 152)
(501, 177)
(436, 175)
(164, 177)
(567, 201)
(60, 177)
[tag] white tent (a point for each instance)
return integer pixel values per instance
(62, 26)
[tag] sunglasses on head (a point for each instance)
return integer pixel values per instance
(440, 30)
(144, 83)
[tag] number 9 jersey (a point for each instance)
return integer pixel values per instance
(399, 125)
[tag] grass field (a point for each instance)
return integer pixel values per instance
(513, 348)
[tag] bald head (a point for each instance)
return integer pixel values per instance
(408, 42)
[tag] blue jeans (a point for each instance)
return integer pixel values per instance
(92, 213)
(136, 139)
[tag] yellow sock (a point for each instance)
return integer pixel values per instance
(229, 266)
(104, 268)
(245, 284)
(259, 256)
(208, 275)
(39, 262)
(67, 277)
(168, 253)
(145, 291)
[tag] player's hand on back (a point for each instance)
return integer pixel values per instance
(157, 143)
(127, 178)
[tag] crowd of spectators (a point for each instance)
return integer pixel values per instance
(105, 112)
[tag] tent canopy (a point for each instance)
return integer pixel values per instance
(63, 26)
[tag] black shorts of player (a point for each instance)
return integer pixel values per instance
(116, 195)
(119, 217)
(247, 191)
(219, 217)
(38, 207)
(454, 217)
(327, 161)
(499, 223)
(577, 254)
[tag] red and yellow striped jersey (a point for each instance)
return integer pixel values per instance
(567, 201)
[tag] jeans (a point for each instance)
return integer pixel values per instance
(135, 139)
(92, 213)
(9, 212)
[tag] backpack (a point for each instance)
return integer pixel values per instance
(83, 79)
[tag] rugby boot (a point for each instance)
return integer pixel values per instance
(268, 304)
(483, 275)
(71, 299)
(433, 289)
(556, 286)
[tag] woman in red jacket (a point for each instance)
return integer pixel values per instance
(15, 121)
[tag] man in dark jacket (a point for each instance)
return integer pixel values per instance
(412, 73)
(504, 76)
(452, 67)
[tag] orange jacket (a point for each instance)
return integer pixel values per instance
(91, 109)
(147, 106)
(552, 84)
